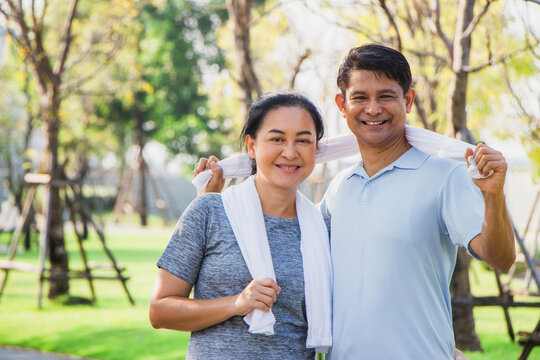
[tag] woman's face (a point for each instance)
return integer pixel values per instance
(284, 148)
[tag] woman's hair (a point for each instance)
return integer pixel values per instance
(273, 101)
(379, 59)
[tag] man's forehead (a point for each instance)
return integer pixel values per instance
(361, 80)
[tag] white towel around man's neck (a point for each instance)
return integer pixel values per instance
(346, 145)
(243, 208)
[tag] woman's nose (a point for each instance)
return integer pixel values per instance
(289, 151)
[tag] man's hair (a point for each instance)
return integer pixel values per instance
(380, 59)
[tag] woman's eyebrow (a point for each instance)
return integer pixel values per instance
(303, 132)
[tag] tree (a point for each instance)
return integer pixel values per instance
(44, 33)
(49, 76)
(161, 97)
(444, 60)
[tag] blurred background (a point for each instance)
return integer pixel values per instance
(114, 102)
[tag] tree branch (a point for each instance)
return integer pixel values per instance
(532, 120)
(492, 62)
(33, 11)
(382, 4)
(296, 69)
(359, 29)
(474, 22)
(265, 13)
(90, 75)
(434, 23)
(66, 40)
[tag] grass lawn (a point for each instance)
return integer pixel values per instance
(113, 329)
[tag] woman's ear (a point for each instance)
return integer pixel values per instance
(250, 145)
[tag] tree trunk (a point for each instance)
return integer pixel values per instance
(462, 316)
(464, 327)
(240, 15)
(58, 256)
(142, 207)
(456, 106)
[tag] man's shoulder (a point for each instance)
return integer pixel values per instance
(443, 166)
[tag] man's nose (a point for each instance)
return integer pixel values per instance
(373, 107)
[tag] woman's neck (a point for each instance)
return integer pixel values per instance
(276, 201)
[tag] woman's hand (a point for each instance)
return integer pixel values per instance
(217, 181)
(259, 294)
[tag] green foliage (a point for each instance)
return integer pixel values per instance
(174, 45)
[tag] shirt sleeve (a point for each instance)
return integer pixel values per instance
(462, 207)
(185, 250)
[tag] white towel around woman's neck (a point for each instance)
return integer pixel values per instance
(346, 145)
(243, 208)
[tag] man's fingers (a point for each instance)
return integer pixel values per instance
(489, 159)
(468, 153)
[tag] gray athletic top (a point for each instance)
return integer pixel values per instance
(203, 251)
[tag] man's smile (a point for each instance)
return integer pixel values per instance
(373, 123)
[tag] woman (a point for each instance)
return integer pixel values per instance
(217, 243)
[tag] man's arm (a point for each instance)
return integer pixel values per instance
(495, 244)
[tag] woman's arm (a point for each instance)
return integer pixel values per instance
(171, 307)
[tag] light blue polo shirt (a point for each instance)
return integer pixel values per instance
(394, 240)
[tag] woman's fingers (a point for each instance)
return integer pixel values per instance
(200, 166)
(217, 182)
(259, 294)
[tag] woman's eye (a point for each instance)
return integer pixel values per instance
(276, 139)
(304, 141)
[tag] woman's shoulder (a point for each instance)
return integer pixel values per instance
(209, 204)
(209, 199)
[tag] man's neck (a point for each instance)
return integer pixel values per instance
(375, 159)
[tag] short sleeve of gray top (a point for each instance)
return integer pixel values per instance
(203, 251)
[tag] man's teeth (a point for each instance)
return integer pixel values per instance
(374, 122)
(292, 167)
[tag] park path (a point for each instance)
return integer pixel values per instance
(14, 353)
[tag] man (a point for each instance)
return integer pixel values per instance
(397, 219)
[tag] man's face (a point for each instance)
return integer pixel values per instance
(375, 108)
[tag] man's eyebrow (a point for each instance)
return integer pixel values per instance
(381, 91)
(389, 90)
(357, 92)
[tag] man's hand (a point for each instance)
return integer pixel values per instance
(217, 181)
(495, 244)
(487, 160)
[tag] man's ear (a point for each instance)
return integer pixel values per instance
(409, 99)
(340, 102)
(250, 144)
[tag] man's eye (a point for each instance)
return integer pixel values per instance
(276, 139)
(305, 141)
